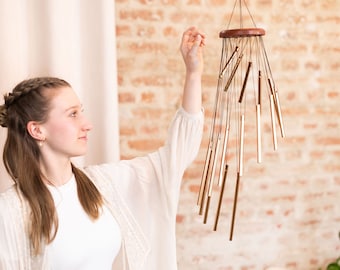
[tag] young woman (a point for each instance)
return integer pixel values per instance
(108, 216)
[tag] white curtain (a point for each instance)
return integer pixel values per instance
(73, 40)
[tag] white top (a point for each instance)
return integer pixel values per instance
(142, 195)
(81, 243)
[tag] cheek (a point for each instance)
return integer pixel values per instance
(60, 130)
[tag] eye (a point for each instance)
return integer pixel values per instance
(74, 113)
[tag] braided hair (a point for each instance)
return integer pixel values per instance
(30, 101)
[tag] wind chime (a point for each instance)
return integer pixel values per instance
(244, 74)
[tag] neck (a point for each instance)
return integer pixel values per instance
(57, 174)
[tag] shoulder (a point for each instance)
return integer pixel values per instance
(116, 170)
(10, 203)
(140, 169)
(9, 194)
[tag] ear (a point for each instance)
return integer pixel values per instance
(35, 130)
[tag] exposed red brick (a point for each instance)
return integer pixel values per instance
(126, 97)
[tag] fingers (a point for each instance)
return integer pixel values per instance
(192, 34)
(191, 48)
(197, 43)
(192, 37)
(199, 40)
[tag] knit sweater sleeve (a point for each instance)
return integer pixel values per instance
(14, 247)
(149, 187)
(158, 175)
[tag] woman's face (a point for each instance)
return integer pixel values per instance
(66, 127)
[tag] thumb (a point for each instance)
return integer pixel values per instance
(197, 43)
(198, 40)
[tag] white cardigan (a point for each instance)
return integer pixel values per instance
(142, 194)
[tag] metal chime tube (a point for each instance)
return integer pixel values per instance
(244, 83)
(206, 209)
(239, 174)
(277, 107)
(258, 121)
(272, 116)
(234, 207)
(211, 180)
(224, 151)
(213, 163)
(203, 185)
(221, 197)
(228, 62)
(233, 72)
(240, 162)
(214, 166)
(258, 132)
(274, 92)
(279, 114)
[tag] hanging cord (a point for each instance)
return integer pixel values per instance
(251, 17)
(240, 2)
(232, 14)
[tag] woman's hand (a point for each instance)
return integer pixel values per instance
(192, 44)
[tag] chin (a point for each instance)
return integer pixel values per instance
(78, 154)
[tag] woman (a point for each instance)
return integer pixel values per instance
(122, 215)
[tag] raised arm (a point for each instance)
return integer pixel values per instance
(192, 45)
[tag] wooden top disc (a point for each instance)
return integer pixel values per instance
(242, 32)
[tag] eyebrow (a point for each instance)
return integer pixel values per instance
(75, 107)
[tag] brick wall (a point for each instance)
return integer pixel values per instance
(289, 205)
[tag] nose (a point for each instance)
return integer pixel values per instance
(87, 125)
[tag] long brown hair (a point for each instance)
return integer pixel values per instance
(30, 101)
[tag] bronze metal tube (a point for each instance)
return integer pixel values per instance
(221, 197)
(233, 73)
(258, 132)
(224, 151)
(277, 107)
(241, 146)
(234, 207)
(204, 176)
(244, 82)
(279, 114)
(259, 89)
(227, 64)
(272, 109)
(206, 209)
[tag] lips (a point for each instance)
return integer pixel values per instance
(83, 138)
